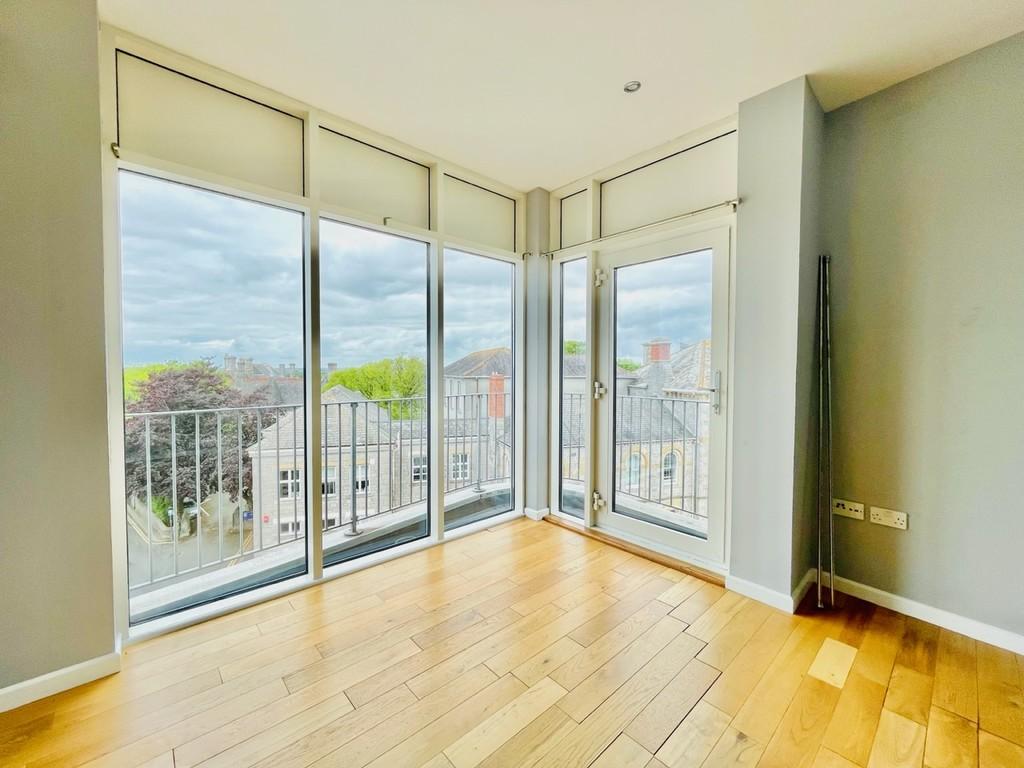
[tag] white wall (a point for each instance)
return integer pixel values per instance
(775, 254)
(923, 208)
(56, 603)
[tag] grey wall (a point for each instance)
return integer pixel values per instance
(776, 246)
(55, 557)
(537, 379)
(924, 215)
(805, 448)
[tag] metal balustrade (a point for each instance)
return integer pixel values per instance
(660, 449)
(248, 495)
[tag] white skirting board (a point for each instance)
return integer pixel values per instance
(780, 600)
(536, 514)
(1002, 638)
(27, 691)
(970, 627)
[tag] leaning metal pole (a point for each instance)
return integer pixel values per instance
(828, 426)
(825, 519)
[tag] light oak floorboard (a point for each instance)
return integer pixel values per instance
(527, 645)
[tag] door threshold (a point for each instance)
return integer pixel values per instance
(636, 549)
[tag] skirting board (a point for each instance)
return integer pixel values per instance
(536, 514)
(780, 600)
(27, 691)
(1003, 638)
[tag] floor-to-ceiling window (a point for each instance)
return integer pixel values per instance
(574, 402)
(212, 302)
(479, 384)
(286, 402)
(375, 425)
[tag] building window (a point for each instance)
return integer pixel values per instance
(634, 470)
(458, 466)
(362, 478)
(668, 467)
(329, 487)
(289, 483)
(419, 469)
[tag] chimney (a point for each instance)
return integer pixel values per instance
(496, 396)
(657, 351)
(332, 367)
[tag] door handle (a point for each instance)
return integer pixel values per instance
(716, 392)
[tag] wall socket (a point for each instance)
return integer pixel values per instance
(889, 517)
(848, 509)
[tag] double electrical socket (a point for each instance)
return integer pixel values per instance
(848, 509)
(878, 516)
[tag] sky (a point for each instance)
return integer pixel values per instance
(206, 274)
(669, 298)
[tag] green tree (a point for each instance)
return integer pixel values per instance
(136, 375)
(389, 379)
(572, 347)
(626, 364)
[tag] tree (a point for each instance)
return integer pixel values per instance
(627, 364)
(190, 397)
(572, 347)
(135, 375)
(389, 379)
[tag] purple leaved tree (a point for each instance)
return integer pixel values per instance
(191, 402)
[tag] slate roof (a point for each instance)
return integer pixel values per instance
(688, 368)
(637, 419)
(575, 367)
(368, 417)
(482, 363)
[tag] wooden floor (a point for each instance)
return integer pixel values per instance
(530, 645)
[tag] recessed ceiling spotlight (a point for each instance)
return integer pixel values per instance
(632, 86)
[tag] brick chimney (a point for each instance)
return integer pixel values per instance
(496, 401)
(657, 351)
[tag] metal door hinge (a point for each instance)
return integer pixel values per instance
(115, 148)
(598, 501)
(600, 390)
(599, 277)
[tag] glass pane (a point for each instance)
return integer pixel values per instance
(479, 298)
(662, 402)
(573, 325)
(213, 381)
(373, 353)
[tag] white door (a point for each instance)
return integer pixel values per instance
(661, 329)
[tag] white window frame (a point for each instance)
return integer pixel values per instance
(458, 466)
(313, 209)
(420, 468)
(669, 466)
(362, 479)
(290, 486)
(329, 486)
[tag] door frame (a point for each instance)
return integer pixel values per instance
(721, 227)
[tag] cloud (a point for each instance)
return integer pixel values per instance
(206, 274)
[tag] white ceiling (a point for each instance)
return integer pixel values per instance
(530, 92)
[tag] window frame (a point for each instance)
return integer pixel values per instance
(313, 208)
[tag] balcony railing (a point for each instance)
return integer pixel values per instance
(660, 452)
(248, 494)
